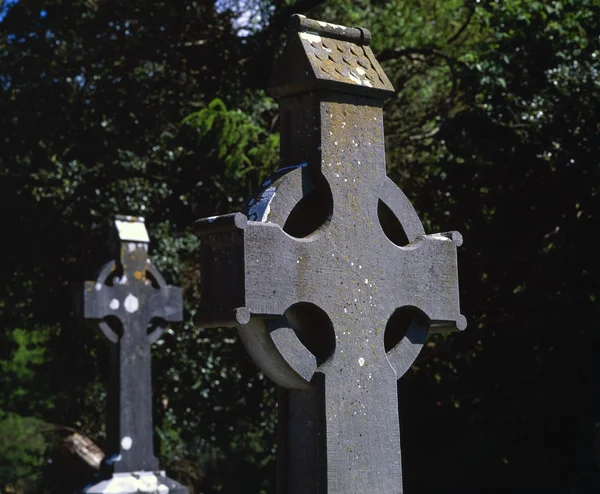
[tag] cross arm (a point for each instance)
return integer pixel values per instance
(166, 303)
(430, 280)
(97, 295)
(247, 267)
(222, 300)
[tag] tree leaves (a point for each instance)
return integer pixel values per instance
(241, 144)
(158, 109)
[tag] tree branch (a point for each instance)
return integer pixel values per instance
(462, 28)
(393, 53)
(425, 135)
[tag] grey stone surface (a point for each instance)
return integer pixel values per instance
(138, 482)
(131, 301)
(329, 276)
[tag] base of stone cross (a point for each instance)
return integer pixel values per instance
(137, 482)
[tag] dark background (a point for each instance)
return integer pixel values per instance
(159, 109)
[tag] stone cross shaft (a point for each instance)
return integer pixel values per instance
(330, 277)
(131, 300)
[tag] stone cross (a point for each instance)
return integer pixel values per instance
(329, 276)
(131, 301)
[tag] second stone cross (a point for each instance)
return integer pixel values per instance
(131, 303)
(329, 275)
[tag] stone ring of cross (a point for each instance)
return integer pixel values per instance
(324, 282)
(110, 276)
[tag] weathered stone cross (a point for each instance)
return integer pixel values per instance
(131, 301)
(330, 277)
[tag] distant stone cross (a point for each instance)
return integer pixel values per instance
(330, 277)
(131, 300)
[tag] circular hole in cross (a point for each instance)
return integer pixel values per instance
(313, 211)
(391, 226)
(115, 276)
(399, 324)
(313, 328)
(112, 324)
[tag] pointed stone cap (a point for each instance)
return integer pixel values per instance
(323, 56)
(131, 228)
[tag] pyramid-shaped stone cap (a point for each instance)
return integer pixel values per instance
(323, 56)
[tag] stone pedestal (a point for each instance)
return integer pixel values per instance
(137, 482)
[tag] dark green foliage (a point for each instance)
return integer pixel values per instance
(103, 112)
(158, 109)
(23, 454)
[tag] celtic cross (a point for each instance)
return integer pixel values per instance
(131, 302)
(329, 276)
